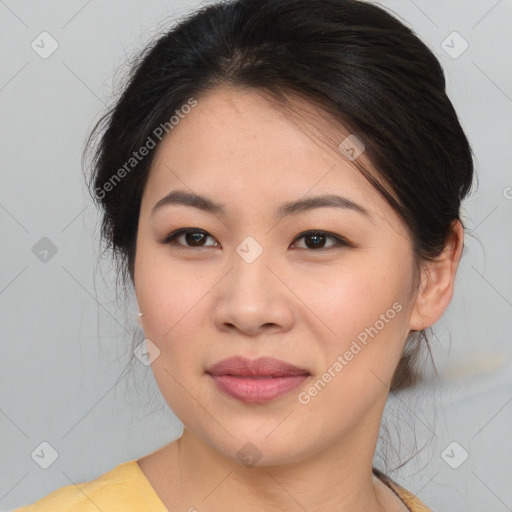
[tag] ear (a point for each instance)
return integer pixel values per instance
(437, 282)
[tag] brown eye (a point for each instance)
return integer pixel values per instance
(316, 240)
(190, 238)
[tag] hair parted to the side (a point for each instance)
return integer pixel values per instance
(353, 59)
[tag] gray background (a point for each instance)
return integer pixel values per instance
(66, 337)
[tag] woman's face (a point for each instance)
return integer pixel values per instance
(245, 282)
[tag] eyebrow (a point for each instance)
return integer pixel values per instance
(179, 197)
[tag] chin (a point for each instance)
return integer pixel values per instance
(263, 443)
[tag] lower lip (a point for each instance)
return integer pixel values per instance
(257, 390)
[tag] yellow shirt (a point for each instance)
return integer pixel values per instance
(126, 489)
(122, 489)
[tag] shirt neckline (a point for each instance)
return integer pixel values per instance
(145, 488)
(410, 500)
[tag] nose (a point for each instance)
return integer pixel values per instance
(253, 298)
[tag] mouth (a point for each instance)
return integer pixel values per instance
(256, 381)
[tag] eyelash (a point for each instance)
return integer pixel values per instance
(340, 242)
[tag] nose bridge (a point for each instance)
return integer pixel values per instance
(252, 297)
(251, 262)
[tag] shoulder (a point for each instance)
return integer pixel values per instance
(411, 500)
(413, 503)
(122, 488)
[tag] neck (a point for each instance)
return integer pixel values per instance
(338, 478)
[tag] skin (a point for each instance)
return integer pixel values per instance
(299, 304)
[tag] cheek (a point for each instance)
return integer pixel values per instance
(365, 310)
(174, 315)
(348, 299)
(167, 290)
(174, 300)
(174, 320)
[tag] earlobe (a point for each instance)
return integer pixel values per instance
(437, 282)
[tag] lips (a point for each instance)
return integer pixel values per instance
(263, 367)
(258, 381)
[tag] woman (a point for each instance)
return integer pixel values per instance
(281, 181)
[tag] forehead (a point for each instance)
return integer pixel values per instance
(235, 144)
